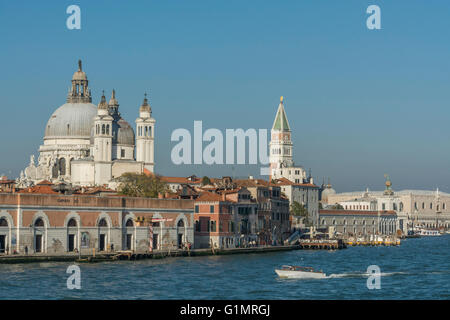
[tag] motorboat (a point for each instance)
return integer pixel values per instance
(299, 272)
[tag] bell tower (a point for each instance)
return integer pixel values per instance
(145, 135)
(280, 143)
(103, 143)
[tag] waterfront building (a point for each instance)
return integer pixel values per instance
(45, 221)
(306, 194)
(225, 219)
(421, 208)
(359, 222)
(273, 210)
(90, 145)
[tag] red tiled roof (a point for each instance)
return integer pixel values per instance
(209, 196)
(286, 182)
(251, 182)
(40, 189)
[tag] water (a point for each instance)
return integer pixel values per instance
(418, 269)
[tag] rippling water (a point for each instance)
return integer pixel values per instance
(418, 269)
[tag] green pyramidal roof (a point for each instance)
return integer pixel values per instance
(281, 123)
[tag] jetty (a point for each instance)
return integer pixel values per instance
(160, 254)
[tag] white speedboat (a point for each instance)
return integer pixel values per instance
(299, 273)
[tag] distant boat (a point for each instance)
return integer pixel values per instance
(429, 232)
(297, 272)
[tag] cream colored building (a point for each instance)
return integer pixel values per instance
(424, 208)
(90, 145)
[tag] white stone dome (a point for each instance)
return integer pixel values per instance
(71, 120)
(327, 192)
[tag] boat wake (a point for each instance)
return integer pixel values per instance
(361, 274)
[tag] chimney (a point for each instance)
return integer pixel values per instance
(166, 195)
(160, 195)
(224, 197)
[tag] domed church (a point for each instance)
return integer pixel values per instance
(90, 145)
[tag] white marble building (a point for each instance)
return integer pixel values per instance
(91, 145)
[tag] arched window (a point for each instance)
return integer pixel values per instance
(103, 129)
(146, 130)
(72, 223)
(180, 223)
(3, 222)
(149, 131)
(423, 205)
(39, 223)
(107, 129)
(102, 223)
(401, 206)
(62, 166)
(129, 223)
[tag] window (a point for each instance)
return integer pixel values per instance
(72, 223)
(423, 205)
(196, 209)
(103, 129)
(129, 223)
(122, 153)
(431, 205)
(3, 222)
(102, 223)
(211, 209)
(197, 225)
(213, 226)
(39, 223)
(383, 206)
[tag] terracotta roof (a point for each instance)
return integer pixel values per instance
(40, 189)
(252, 182)
(7, 181)
(287, 182)
(209, 196)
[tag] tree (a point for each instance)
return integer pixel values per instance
(337, 206)
(298, 209)
(141, 185)
(206, 181)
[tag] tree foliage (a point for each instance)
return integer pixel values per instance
(206, 181)
(298, 209)
(141, 185)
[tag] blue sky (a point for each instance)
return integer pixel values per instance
(361, 103)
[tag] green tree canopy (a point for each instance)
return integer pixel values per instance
(206, 181)
(298, 209)
(141, 185)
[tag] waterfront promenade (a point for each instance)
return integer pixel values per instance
(130, 255)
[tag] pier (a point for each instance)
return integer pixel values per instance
(160, 254)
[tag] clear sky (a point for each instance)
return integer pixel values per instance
(360, 102)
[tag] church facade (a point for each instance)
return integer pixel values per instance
(88, 145)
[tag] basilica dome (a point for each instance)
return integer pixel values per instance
(73, 120)
(123, 133)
